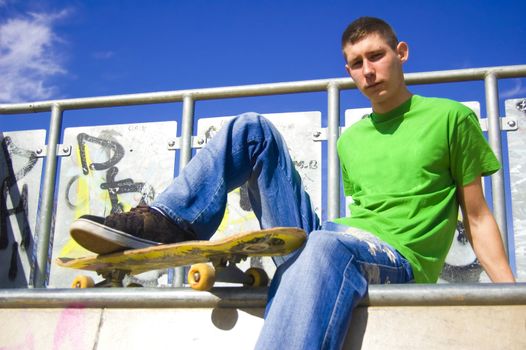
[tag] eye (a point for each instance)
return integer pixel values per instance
(376, 56)
(356, 64)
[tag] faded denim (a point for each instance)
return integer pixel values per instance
(314, 291)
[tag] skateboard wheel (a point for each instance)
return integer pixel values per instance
(258, 277)
(201, 277)
(83, 281)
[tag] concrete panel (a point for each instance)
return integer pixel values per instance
(112, 168)
(180, 328)
(438, 327)
(402, 327)
(516, 108)
(20, 176)
(64, 329)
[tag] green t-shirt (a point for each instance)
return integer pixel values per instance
(401, 170)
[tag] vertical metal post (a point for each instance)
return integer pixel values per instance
(333, 163)
(187, 130)
(47, 199)
(185, 156)
(497, 179)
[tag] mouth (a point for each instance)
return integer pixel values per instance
(372, 86)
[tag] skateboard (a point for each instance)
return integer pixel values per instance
(210, 260)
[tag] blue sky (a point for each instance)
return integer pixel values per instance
(66, 49)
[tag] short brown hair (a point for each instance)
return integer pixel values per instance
(364, 26)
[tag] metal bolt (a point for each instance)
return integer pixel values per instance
(39, 151)
(512, 123)
(316, 134)
(65, 149)
(200, 141)
(171, 143)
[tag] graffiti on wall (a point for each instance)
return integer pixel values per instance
(113, 187)
(111, 169)
(461, 263)
(20, 171)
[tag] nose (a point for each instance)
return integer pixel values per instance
(367, 68)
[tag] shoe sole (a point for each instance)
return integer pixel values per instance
(102, 239)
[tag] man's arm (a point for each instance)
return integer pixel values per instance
(483, 232)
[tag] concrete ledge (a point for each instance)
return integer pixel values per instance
(477, 317)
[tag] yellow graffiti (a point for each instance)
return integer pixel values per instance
(73, 250)
(83, 201)
(233, 217)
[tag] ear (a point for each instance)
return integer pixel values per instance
(402, 49)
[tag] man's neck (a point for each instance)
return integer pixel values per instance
(387, 106)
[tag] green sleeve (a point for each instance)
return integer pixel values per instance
(470, 153)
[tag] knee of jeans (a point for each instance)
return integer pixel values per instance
(321, 244)
(252, 119)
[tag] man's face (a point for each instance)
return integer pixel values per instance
(377, 70)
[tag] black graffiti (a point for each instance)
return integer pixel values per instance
(4, 215)
(118, 152)
(70, 183)
(521, 106)
(9, 148)
(13, 266)
(462, 273)
(20, 208)
(116, 187)
(9, 188)
(112, 185)
(462, 237)
(244, 200)
(301, 164)
(210, 132)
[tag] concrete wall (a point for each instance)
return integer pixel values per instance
(394, 317)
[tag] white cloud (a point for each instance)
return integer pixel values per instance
(28, 57)
(516, 91)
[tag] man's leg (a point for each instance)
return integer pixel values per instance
(249, 149)
(312, 296)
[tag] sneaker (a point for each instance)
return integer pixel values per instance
(141, 227)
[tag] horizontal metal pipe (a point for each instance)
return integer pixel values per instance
(446, 295)
(133, 298)
(255, 90)
(232, 297)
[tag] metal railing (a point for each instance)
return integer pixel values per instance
(490, 76)
(233, 297)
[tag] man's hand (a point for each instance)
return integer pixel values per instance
(483, 232)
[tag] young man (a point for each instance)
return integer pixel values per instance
(408, 166)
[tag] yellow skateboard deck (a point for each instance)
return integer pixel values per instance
(223, 252)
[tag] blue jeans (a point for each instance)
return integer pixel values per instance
(313, 294)
(246, 149)
(314, 291)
